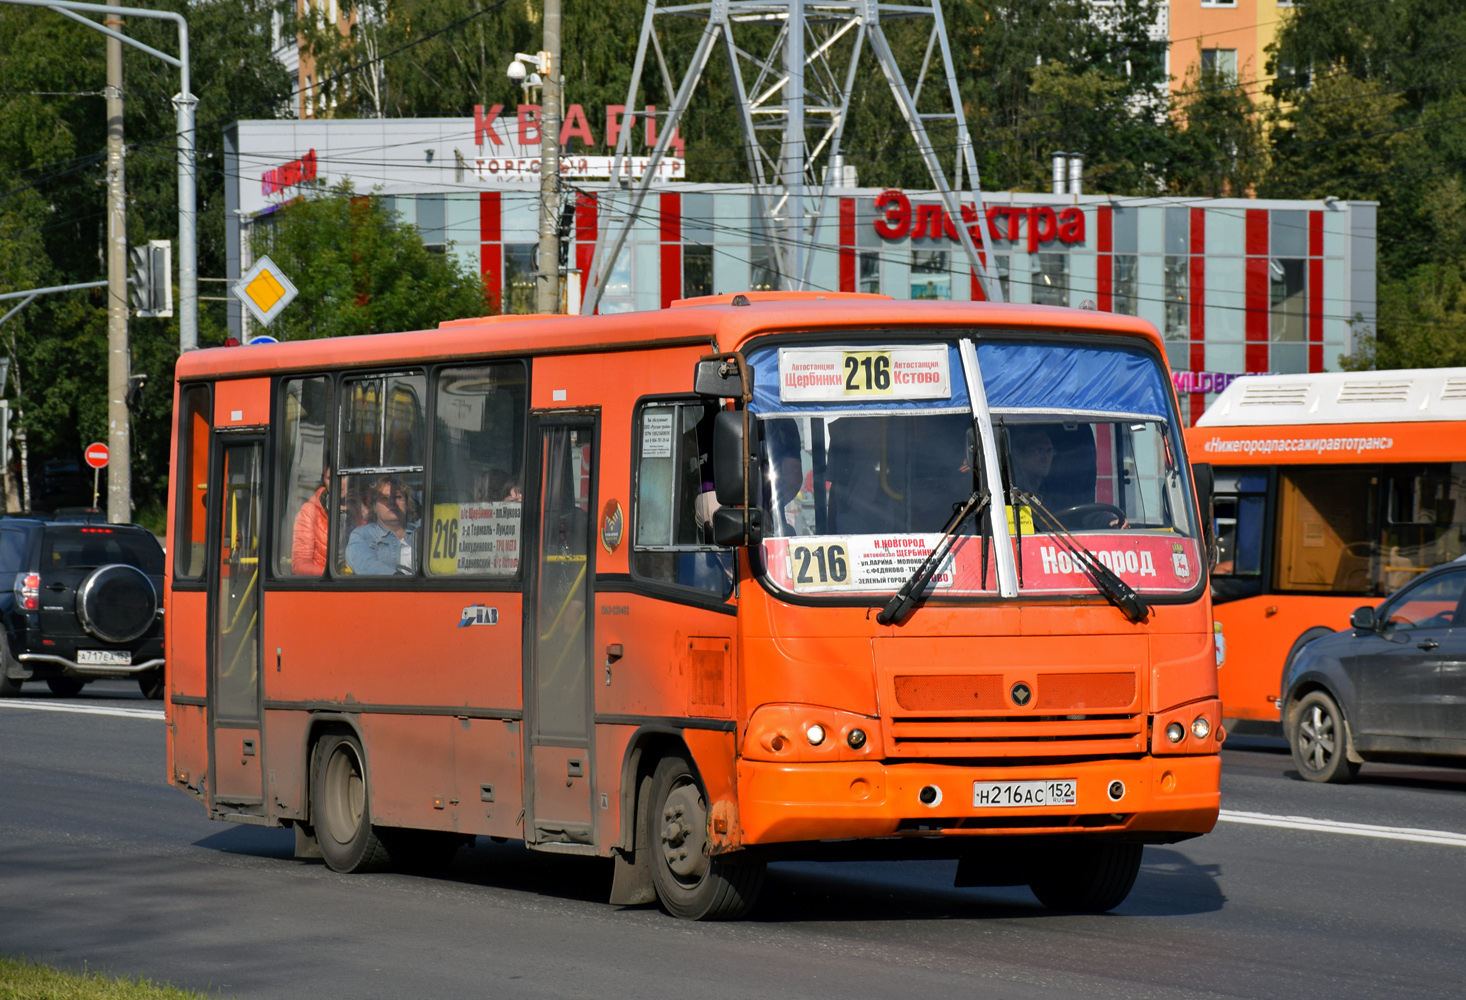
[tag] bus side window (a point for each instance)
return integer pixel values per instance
(1328, 529)
(192, 483)
(303, 502)
(674, 503)
(1425, 520)
(473, 527)
(380, 482)
(1240, 506)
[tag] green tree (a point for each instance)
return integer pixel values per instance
(360, 270)
(1218, 148)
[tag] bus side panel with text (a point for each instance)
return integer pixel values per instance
(1332, 491)
(432, 585)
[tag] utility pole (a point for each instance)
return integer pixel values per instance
(547, 283)
(119, 437)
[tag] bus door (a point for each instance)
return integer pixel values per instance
(557, 643)
(234, 567)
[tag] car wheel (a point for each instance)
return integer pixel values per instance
(691, 882)
(65, 687)
(1316, 735)
(1088, 878)
(341, 808)
(152, 684)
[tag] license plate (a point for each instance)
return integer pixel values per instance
(1004, 794)
(104, 657)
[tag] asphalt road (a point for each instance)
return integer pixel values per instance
(103, 865)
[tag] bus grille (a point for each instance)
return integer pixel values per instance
(1072, 714)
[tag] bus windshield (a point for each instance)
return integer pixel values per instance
(857, 483)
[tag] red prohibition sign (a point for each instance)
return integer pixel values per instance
(96, 455)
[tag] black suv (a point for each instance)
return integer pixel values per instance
(81, 601)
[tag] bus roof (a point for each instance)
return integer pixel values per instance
(715, 319)
(1380, 397)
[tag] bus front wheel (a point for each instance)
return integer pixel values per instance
(691, 882)
(341, 810)
(1088, 877)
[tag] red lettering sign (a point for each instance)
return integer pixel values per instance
(898, 215)
(894, 221)
(483, 124)
(295, 172)
(529, 124)
(576, 127)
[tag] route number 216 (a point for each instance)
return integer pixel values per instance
(814, 565)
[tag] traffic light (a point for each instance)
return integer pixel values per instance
(152, 279)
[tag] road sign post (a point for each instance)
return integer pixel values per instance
(96, 456)
(264, 290)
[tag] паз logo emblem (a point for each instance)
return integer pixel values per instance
(612, 524)
(478, 614)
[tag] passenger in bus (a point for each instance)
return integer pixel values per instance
(1032, 456)
(384, 545)
(308, 544)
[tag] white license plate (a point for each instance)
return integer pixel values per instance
(104, 657)
(1005, 794)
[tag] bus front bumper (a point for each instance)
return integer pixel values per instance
(1161, 799)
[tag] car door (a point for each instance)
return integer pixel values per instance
(1396, 670)
(1451, 700)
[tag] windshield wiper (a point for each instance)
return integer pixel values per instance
(900, 604)
(1117, 591)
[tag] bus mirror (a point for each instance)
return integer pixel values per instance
(722, 377)
(1363, 619)
(1205, 480)
(730, 527)
(735, 461)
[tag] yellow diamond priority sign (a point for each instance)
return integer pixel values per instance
(264, 290)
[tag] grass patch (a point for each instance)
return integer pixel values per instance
(22, 979)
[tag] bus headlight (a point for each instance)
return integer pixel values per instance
(815, 734)
(1200, 727)
(1175, 732)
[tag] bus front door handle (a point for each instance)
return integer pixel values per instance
(1427, 644)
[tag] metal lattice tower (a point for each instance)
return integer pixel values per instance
(795, 92)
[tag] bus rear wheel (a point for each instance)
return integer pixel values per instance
(1088, 878)
(341, 810)
(691, 882)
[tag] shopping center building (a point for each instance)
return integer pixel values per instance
(1236, 286)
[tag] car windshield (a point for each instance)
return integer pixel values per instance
(88, 548)
(857, 485)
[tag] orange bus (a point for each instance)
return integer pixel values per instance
(758, 577)
(1332, 490)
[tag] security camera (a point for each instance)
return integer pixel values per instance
(517, 71)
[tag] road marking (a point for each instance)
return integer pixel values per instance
(59, 706)
(1347, 829)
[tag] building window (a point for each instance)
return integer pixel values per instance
(519, 292)
(1177, 295)
(697, 271)
(931, 277)
(1220, 63)
(1126, 284)
(1003, 261)
(431, 222)
(869, 272)
(1050, 279)
(1288, 323)
(764, 270)
(1227, 3)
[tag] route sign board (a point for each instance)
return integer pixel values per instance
(96, 455)
(265, 290)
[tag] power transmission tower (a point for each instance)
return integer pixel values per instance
(799, 92)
